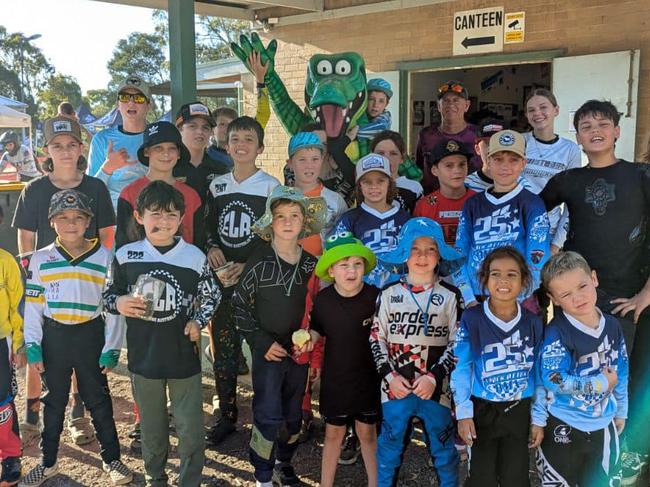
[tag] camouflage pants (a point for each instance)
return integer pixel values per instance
(226, 348)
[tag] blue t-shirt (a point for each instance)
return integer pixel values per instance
(124, 176)
(497, 360)
(378, 231)
(573, 357)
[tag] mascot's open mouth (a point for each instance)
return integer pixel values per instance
(335, 119)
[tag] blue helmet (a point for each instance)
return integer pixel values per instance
(379, 84)
(304, 140)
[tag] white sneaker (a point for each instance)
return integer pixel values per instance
(119, 473)
(38, 475)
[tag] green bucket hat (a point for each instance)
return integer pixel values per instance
(315, 212)
(339, 246)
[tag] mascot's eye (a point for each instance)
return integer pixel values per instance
(324, 67)
(343, 67)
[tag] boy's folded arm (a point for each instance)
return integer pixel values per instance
(208, 297)
(462, 375)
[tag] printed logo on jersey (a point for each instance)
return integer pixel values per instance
(506, 367)
(538, 232)
(502, 221)
(589, 365)
(437, 299)
(134, 254)
(553, 354)
(412, 324)
(6, 414)
(218, 188)
(599, 194)
(561, 434)
(399, 299)
(235, 223)
(536, 256)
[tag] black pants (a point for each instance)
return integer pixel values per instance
(570, 457)
(226, 359)
(78, 347)
(637, 341)
(499, 455)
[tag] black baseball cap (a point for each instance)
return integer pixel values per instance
(490, 126)
(191, 110)
(449, 147)
(159, 132)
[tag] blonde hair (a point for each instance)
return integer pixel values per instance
(560, 263)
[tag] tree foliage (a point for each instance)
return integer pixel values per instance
(58, 88)
(100, 101)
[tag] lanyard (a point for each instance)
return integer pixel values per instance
(425, 312)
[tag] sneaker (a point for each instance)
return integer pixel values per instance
(283, 475)
(632, 464)
(38, 475)
(119, 473)
(219, 432)
(351, 449)
(11, 471)
(81, 431)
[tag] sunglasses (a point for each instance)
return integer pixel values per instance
(135, 97)
(456, 88)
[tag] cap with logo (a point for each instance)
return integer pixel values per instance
(69, 199)
(196, 109)
(304, 140)
(372, 162)
(450, 147)
(453, 86)
(56, 126)
(507, 140)
(490, 126)
(136, 83)
(379, 84)
(158, 133)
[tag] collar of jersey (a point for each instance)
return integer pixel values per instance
(167, 255)
(506, 326)
(390, 212)
(579, 325)
(76, 260)
(505, 198)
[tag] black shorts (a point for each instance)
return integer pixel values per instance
(366, 417)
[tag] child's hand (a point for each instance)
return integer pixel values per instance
(107, 370)
(467, 431)
(193, 330)
(536, 436)
(424, 386)
(19, 359)
(275, 353)
(620, 424)
(38, 367)
(233, 273)
(256, 66)
(611, 376)
(398, 385)
(131, 306)
(216, 258)
(352, 133)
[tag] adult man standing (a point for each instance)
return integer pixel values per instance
(113, 151)
(453, 103)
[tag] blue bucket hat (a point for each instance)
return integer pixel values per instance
(414, 229)
(304, 140)
(379, 84)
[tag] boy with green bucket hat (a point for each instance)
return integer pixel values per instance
(269, 304)
(342, 313)
(411, 337)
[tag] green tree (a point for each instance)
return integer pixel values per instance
(21, 62)
(142, 54)
(59, 88)
(100, 101)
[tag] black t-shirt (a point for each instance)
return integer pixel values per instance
(608, 213)
(349, 380)
(34, 202)
(200, 177)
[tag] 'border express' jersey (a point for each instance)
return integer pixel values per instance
(496, 360)
(402, 343)
(517, 218)
(571, 364)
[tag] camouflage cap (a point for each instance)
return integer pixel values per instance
(69, 199)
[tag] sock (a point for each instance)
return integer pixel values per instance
(32, 410)
(263, 484)
(77, 410)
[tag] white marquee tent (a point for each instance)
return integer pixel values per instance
(12, 118)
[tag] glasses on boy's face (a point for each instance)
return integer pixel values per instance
(455, 87)
(137, 98)
(71, 147)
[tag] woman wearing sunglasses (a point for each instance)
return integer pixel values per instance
(113, 151)
(453, 103)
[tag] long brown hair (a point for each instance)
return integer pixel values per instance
(391, 194)
(48, 164)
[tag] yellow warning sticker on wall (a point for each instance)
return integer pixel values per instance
(514, 27)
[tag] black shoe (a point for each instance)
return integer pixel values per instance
(243, 365)
(11, 471)
(306, 430)
(219, 432)
(351, 449)
(283, 475)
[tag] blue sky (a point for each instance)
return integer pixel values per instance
(78, 36)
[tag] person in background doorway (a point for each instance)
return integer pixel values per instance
(453, 103)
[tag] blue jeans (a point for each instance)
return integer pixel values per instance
(439, 429)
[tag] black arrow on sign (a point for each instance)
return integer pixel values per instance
(478, 41)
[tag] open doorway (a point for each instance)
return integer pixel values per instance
(496, 90)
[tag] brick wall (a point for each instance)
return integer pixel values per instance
(383, 39)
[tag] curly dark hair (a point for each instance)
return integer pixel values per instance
(506, 252)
